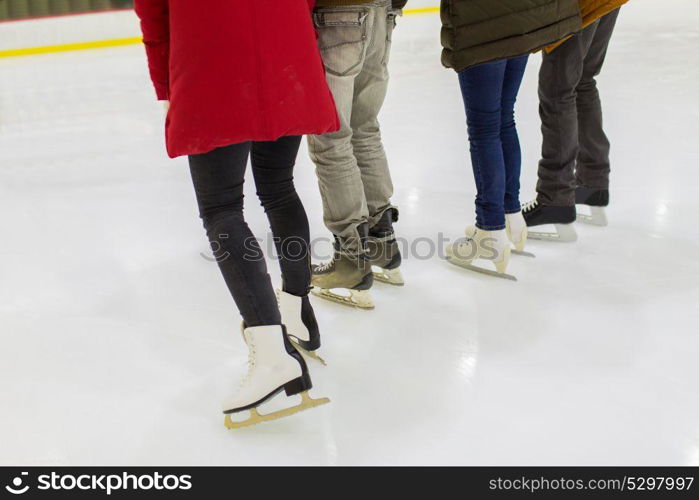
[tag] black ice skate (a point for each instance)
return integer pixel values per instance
(597, 200)
(383, 251)
(562, 218)
(347, 278)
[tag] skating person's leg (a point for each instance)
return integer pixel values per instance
(342, 35)
(512, 152)
(218, 178)
(482, 91)
(274, 364)
(561, 72)
(559, 76)
(511, 149)
(273, 170)
(592, 169)
(370, 89)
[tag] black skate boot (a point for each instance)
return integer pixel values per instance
(596, 199)
(562, 218)
(592, 197)
(383, 250)
(350, 271)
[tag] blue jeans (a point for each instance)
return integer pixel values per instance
(490, 91)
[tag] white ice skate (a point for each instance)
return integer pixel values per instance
(480, 244)
(306, 338)
(273, 366)
(517, 232)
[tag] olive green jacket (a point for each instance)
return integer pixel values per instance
(479, 31)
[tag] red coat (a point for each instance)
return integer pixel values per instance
(235, 71)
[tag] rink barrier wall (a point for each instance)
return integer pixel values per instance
(67, 14)
(110, 42)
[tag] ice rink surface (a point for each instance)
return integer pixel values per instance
(120, 341)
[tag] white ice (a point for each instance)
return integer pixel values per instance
(119, 340)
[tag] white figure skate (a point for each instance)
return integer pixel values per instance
(273, 366)
(301, 325)
(480, 244)
(517, 233)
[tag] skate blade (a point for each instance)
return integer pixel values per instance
(481, 270)
(565, 233)
(309, 354)
(597, 217)
(256, 417)
(360, 299)
(389, 276)
(523, 253)
(518, 247)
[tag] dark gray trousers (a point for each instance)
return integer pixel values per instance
(575, 149)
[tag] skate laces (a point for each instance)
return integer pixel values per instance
(252, 358)
(530, 205)
(326, 266)
(463, 245)
(278, 294)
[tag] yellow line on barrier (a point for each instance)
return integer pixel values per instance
(424, 10)
(69, 47)
(121, 42)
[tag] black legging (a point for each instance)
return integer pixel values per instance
(218, 178)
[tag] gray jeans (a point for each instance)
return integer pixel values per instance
(351, 165)
(575, 150)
